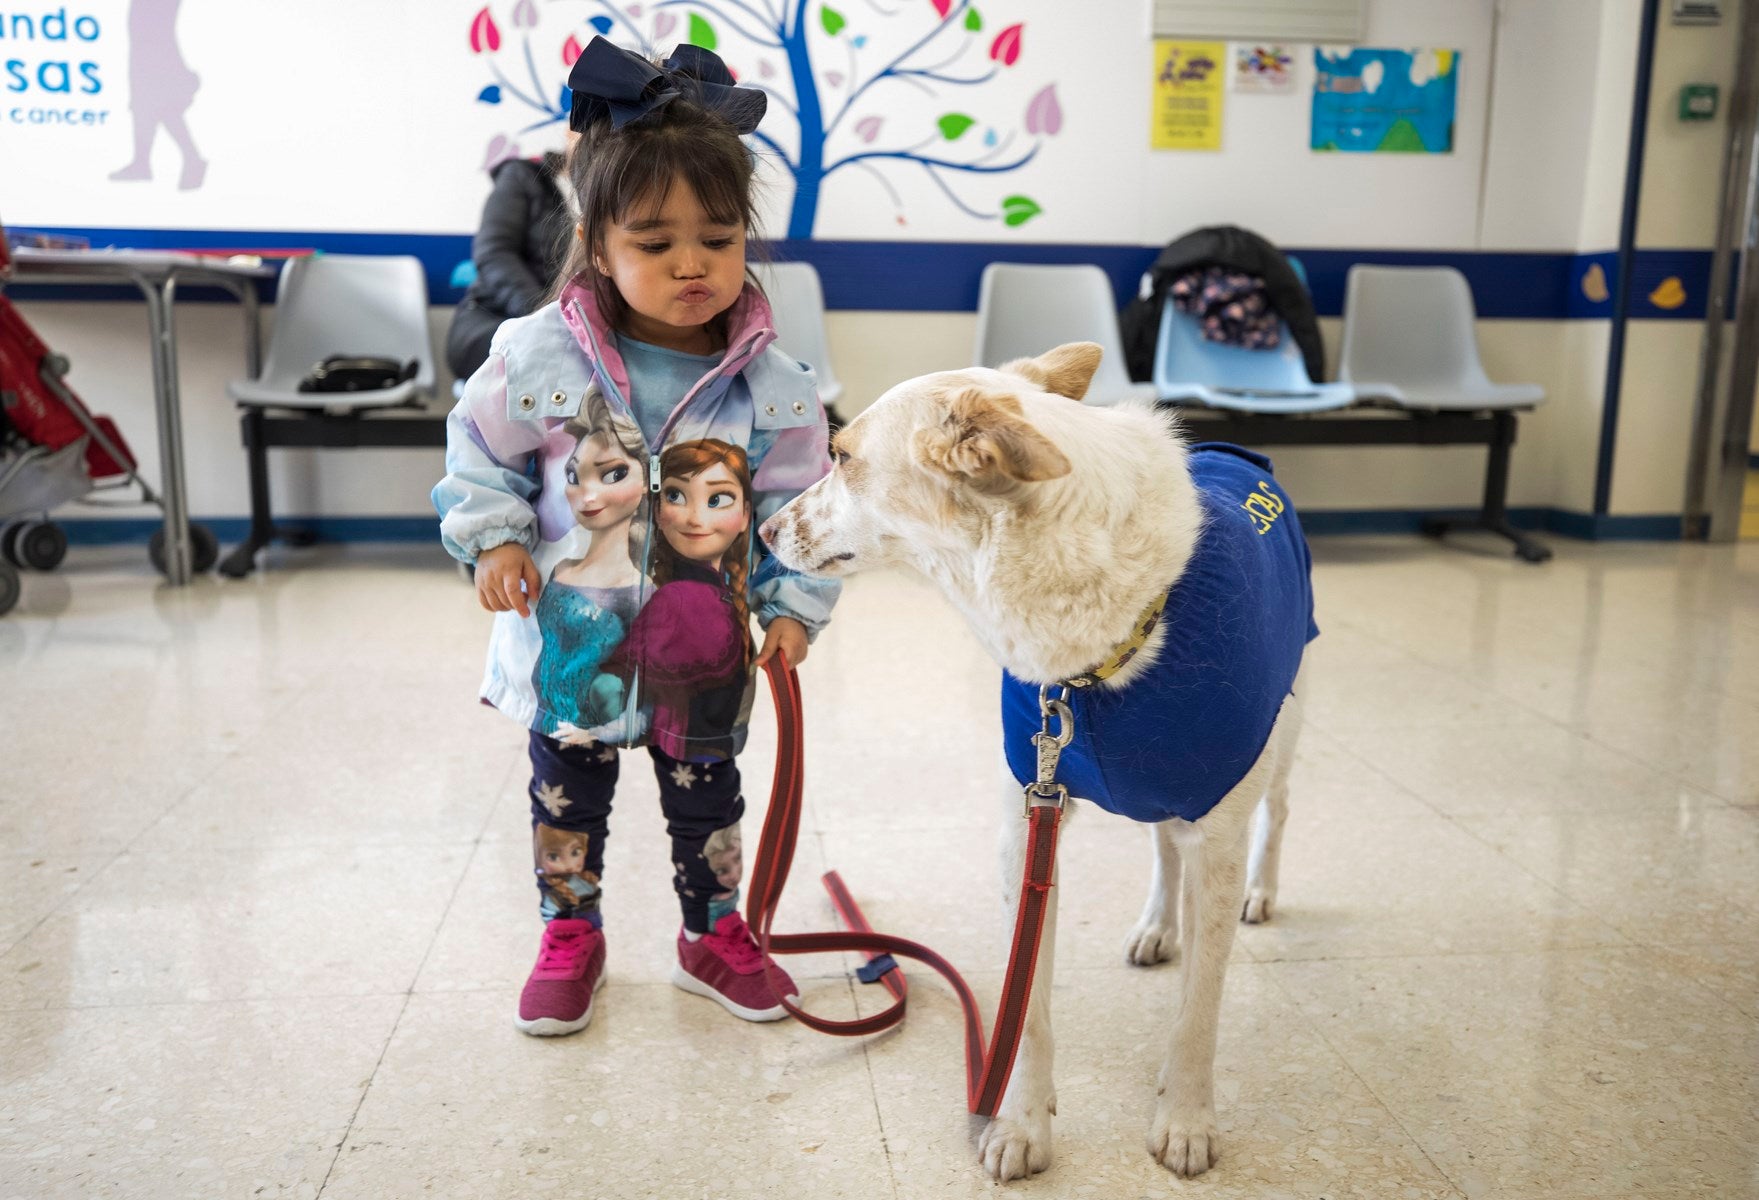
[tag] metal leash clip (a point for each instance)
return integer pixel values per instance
(1045, 790)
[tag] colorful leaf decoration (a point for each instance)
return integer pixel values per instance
(500, 149)
(868, 127)
(490, 94)
(954, 125)
(834, 78)
(702, 33)
(663, 23)
(973, 22)
(1043, 113)
(602, 24)
(765, 69)
(1006, 48)
(484, 33)
(525, 14)
(1017, 210)
(831, 19)
(942, 7)
(570, 50)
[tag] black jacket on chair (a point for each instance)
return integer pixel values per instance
(1237, 249)
(518, 250)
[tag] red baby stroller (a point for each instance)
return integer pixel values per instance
(52, 451)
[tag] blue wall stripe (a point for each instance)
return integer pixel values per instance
(111, 531)
(943, 276)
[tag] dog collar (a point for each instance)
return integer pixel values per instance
(1126, 650)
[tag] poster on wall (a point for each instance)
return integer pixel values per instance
(1384, 101)
(1264, 68)
(1188, 82)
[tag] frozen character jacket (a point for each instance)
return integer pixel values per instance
(545, 422)
(1180, 735)
(687, 644)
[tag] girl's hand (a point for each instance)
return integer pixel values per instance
(499, 575)
(786, 635)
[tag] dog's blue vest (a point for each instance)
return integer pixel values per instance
(1182, 734)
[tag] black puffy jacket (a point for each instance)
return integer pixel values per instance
(1221, 246)
(518, 249)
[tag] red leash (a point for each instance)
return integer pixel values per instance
(986, 1072)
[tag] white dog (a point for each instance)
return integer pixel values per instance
(1059, 531)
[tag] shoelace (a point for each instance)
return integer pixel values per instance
(732, 941)
(560, 951)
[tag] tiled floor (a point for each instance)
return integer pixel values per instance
(265, 905)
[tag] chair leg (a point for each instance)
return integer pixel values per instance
(1493, 517)
(242, 559)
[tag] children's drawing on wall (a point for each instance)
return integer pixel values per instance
(884, 90)
(1385, 101)
(1264, 68)
(161, 88)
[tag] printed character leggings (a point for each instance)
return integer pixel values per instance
(571, 790)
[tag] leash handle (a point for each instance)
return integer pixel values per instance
(986, 1071)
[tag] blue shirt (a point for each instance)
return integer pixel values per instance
(659, 379)
(1182, 734)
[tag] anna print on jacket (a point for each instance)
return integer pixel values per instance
(690, 646)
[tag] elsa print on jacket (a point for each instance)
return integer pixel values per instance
(691, 645)
(586, 608)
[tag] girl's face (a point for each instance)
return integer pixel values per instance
(703, 514)
(676, 266)
(604, 483)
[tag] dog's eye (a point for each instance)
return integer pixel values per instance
(839, 455)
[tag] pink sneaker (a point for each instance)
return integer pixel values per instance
(570, 966)
(726, 966)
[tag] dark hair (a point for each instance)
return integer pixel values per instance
(613, 170)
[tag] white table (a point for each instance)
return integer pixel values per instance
(157, 273)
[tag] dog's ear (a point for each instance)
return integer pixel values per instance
(1065, 371)
(985, 438)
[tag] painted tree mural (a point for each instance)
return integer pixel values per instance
(832, 71)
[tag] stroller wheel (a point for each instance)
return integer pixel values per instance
(9, 543)
(41, 545)
(10, 587)
(204, 549)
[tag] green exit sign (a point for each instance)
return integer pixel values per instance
(1698, 102)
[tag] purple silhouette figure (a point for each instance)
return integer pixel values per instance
(161, 88)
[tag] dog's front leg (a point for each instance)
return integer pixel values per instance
(1183, 1136)
(1017, 1141)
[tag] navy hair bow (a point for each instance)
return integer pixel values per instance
(612, 82)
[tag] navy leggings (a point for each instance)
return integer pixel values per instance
(571, 791)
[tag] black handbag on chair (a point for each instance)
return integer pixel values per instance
(345, 373)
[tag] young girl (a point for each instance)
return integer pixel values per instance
(655, 323)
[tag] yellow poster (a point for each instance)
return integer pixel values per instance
(1189, 78)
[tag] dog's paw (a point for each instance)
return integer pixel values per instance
(1187, 1146)
(1259, 904)
(1015, 1149)
(1152, 942)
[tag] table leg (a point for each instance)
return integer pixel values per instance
(161, 324)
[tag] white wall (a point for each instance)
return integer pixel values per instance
(1538, 165)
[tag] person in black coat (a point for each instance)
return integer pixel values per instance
(518, 249)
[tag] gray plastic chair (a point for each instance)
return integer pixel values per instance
(1025, 309)
(798, 301)
(1409, 339)
(331, 304)
(350, 304)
